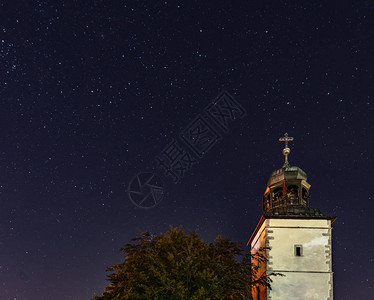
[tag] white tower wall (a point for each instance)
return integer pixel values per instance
(308, 270)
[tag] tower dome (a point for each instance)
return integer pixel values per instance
(287, 191)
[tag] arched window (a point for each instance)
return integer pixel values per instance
(293, 189)
(278, 193)
(292, 194)
(304, 196)
(277, 197)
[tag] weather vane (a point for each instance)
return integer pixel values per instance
(286, 150)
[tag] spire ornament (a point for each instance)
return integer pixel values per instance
(286, 150)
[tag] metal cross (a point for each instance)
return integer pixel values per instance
(286, 139)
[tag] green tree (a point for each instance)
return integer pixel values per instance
(180, 265)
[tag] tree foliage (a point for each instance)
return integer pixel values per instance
(180, 265)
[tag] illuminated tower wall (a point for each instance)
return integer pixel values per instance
(297, 238)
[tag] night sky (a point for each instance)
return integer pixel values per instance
(93, 92)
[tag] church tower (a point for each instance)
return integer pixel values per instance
(297, 238)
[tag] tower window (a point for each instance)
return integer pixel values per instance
(298, 250)
(305, 196)
(292, 194)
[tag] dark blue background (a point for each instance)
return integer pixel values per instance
(92, 91)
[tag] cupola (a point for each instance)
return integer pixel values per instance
(287, 191)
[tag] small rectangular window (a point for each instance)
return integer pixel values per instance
(298, 250)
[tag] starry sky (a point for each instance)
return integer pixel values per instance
(92, 92)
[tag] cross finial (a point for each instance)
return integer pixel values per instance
(286, 150)
(286, 139)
